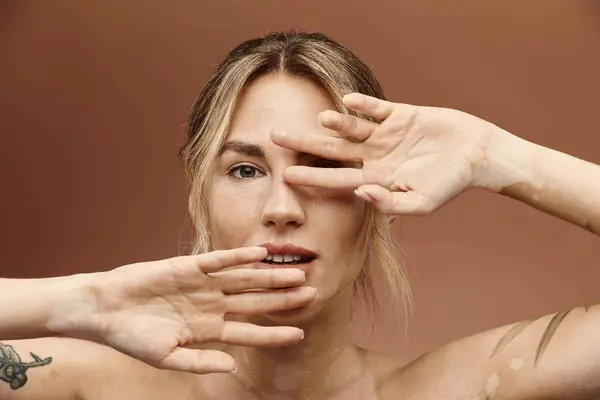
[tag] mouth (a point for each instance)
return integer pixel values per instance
(287, 255)
(286, 259)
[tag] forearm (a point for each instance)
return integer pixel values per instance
(45, 307)
(550, 181)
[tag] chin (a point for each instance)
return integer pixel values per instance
(295, 317)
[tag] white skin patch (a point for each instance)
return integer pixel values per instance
(517, 364)
(492, 385)
(287, 378)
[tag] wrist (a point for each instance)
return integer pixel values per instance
(73, 306)
(508, 161)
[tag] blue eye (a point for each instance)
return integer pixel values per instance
(244, 171)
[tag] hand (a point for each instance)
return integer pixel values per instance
(154, 311)
(414, 160)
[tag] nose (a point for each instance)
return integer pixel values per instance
(282, 207)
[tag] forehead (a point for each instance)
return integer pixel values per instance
(279, 102)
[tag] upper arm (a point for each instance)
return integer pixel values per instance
(553, 357)
(556, 356)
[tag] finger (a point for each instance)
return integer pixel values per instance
(396, 203)
(331, 178)
(352, 128)
(329, 147)
(219, 259)
(269, 301)
(369, 105)
(246, 334)
(198, 361)
(245, 279)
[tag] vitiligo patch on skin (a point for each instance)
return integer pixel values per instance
(287, 378)
(491, 386)
(517, 364)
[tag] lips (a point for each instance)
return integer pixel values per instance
(288, 248)
(287, 256)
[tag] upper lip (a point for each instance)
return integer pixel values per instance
(288, 248)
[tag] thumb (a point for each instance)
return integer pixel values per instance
(198, 361)
(395, 203)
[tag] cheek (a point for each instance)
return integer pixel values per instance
(343, 216)
(232, 217)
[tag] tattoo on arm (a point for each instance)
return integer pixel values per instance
(547, 336)
(13, 370)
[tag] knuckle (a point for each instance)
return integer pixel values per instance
(219, 257)
(289, 299)
(354, 124)
(424, 206)
(345, 121)
(246, 278)
(329, 147)
(341, 123)
(272, 279)
(263, 304)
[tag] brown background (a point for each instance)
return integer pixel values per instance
(94, 95)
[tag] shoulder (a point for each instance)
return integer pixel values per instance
(67, 368)
(461, 369)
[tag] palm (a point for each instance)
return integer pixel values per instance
(413, 161)
(151, 328)
(430, 156)
(157, 311)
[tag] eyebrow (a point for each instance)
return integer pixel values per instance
(252, 150)
(247, 149)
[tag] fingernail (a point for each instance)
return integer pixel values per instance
(302, 337)
(234, 370)
(360, 193)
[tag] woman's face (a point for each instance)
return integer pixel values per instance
(251, 204)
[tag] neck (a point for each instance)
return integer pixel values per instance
(325, 361)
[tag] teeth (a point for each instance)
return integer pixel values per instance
(282, 258)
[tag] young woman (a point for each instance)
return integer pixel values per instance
(297, 166)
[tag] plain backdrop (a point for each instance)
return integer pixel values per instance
(94, 95)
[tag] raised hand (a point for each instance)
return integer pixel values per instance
(154, 311)
(412, 159)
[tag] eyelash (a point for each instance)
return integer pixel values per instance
(325, 164)
(237, 167)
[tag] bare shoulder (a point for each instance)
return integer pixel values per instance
(462, 369)
(66, 368)
(553, 355)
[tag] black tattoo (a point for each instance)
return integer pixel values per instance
(13, 370)
(547, 336)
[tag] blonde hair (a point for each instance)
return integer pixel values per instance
(310, 55)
